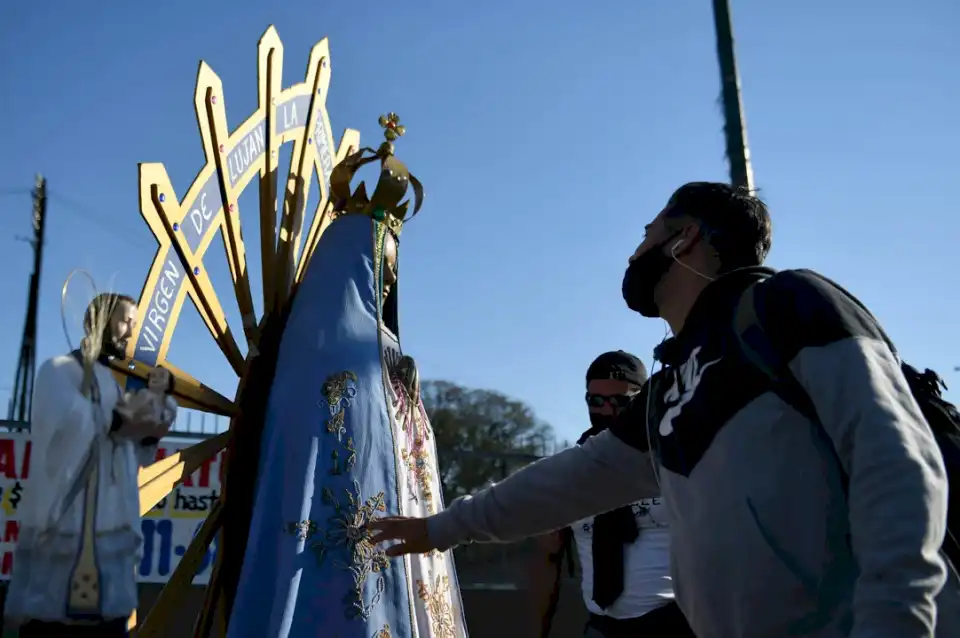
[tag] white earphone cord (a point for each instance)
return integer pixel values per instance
(646, 426)
(673, 253)
(646, 414)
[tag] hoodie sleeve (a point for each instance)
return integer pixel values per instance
(601, 475)
(897, 482)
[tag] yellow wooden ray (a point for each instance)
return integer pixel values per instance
(349, 143)
(213, 129)
(180, 580)
(184, 229)
(157, 480)
(189, 392)
(157, 198)
(301, 170)
(269, 73)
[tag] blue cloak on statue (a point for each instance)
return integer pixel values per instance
(330, 462)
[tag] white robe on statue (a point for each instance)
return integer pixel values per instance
(432, 586)
(65, 427)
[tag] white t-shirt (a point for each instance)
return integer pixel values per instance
(646, 569)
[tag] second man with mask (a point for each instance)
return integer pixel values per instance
(624, 554)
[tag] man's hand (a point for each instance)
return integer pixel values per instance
(411, 532)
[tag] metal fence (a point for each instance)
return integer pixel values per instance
(490, 567)
(190, 424)
(9, 425)
(193, 424)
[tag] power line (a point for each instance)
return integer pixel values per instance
(85, 212)
(71, 205)
(14, 191)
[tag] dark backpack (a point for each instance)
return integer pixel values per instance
(926, 387)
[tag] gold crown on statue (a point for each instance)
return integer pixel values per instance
(385, 205)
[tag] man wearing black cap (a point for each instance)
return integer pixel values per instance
(624, 554)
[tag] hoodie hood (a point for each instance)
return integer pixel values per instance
(717, 300)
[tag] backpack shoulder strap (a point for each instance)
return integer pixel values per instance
(749, 331)
(759, 350)
(852, 299)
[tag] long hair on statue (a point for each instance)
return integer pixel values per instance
(389, 311)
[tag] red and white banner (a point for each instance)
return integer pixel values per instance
(167, 528)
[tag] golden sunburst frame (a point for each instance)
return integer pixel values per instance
(184, 228)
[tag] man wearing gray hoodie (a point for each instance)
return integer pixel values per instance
(780, 526)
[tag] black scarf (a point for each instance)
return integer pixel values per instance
(611, 532)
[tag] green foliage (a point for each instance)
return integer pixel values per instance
(481, 435)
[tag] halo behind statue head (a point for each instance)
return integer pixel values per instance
(88, 307)
(73, 304)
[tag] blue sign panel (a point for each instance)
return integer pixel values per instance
(292, 114)
(246, 152)
(156, 320)
(201, 212)
(322, 142)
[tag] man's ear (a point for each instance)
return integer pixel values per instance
(689, 237)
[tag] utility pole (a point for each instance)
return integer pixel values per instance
(734, 124)
(21, 401)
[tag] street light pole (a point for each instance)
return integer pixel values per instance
(734, 124)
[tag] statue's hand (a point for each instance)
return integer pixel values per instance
(409, 376)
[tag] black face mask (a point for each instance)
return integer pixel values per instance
(641, 278)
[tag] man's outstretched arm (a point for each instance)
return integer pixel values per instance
(602, 474)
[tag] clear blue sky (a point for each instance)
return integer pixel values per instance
(547, 134)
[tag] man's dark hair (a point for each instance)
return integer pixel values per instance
(103, 305)
(735, 221)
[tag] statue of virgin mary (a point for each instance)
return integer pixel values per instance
(345, 439)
